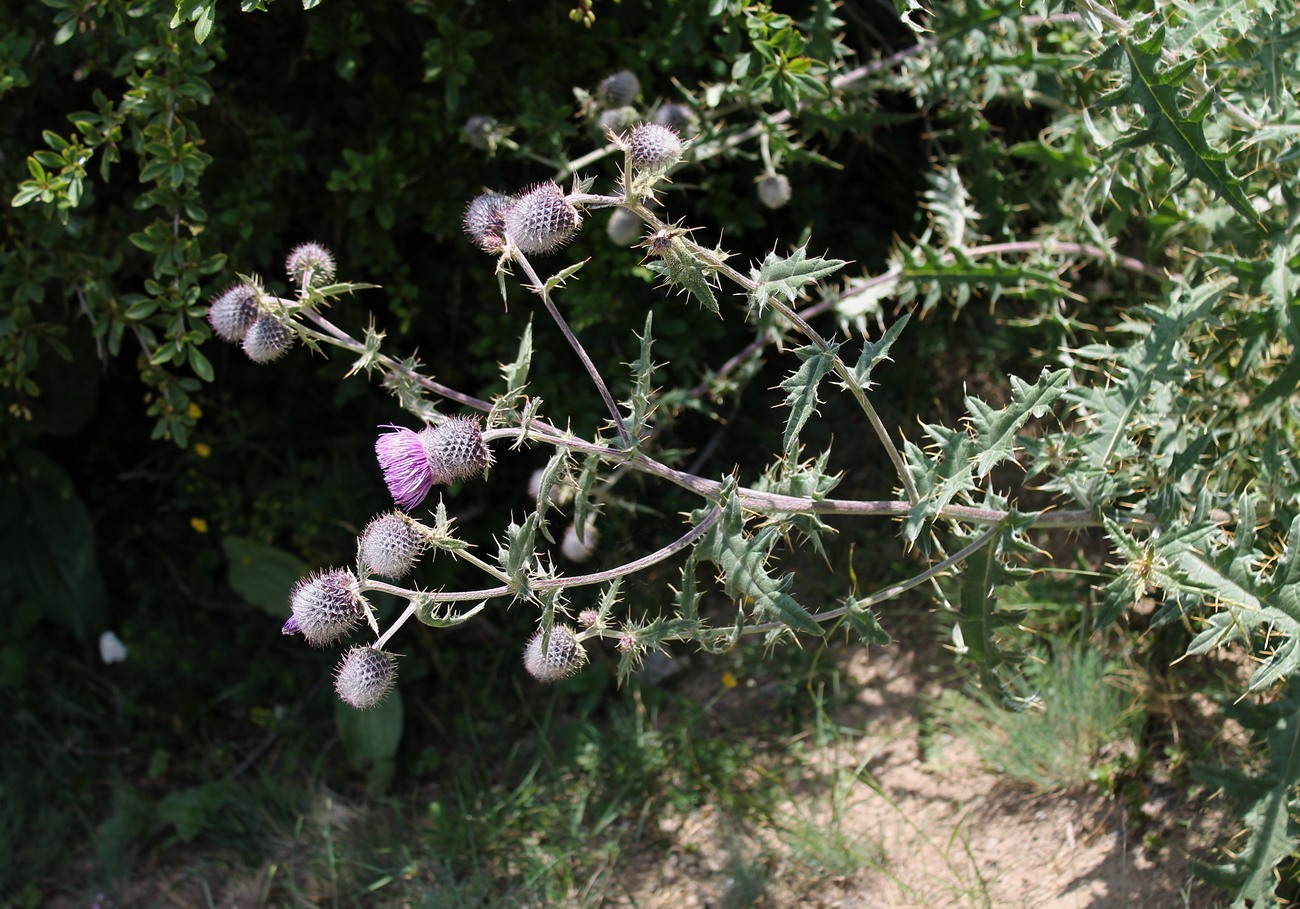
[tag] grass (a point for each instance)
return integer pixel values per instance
(1080, 720)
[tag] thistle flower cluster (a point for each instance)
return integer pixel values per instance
(538, 220)
(651, 147)
(236, 316)
(413, 462)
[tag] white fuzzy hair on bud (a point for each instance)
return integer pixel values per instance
(774, 190)
(456, 449)
(310, 264)
(233, 311)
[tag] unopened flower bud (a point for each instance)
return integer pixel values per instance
(677, 117)
(477, 130)
(267, 340)
(233, 311)
(325, 606)
(554, 656)
(617, 119)
(624, 228)
(485, 220)
(390, 545)
(651, 147)
(541, 220)
(774, 190)
(618, 89)
(310, 264)
(588, 617)
(579, 550)
(365, 676)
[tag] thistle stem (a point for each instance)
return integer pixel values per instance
(539, 287)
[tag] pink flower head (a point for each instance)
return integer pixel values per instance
(405, 463)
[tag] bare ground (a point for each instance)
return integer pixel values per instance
(937, 830)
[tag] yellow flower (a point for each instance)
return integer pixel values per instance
(202, 449)
(729, 680)
(199, 525)
(195, 411)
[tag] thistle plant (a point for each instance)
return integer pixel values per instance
(1137, 435)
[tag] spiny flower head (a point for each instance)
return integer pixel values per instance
(651, 147)
(456, 449)
(485, 220)
(233, 311)
(310, 264)
(541, 220)
(405, 464)
(412, 462)
(365, 676)
(267, 339)
(774, 190)
(391, 545)
(325, 606)
(554, 656)
(618, 89)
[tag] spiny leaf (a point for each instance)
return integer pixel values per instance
(638, 405)
(865, 624)
(995, 429)
(979, 617)
(564, 274)
(1272, 833)
(1112, 408)
(873, 352)
(932, 273)
(680, 270)
(1154, 87)
(939, 478)
(742, 558)
(801, 389)
(786, 276)
(516, 373)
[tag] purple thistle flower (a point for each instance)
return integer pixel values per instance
(291, 626)
(405, 463)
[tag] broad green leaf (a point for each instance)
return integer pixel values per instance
(262, 574)
(371, 738)
(48, 539)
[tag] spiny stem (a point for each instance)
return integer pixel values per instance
(539, 287)
(893, 590)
